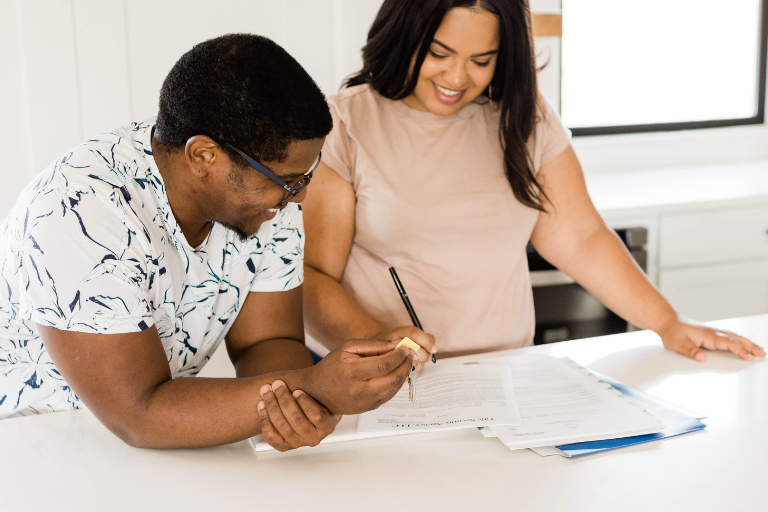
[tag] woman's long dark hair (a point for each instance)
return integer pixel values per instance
(406, 27)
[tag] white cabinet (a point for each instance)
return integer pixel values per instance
(712, 236)
(712, 292)
(707, 232)
(714, 262)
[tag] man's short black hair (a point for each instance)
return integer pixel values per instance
(242, 89)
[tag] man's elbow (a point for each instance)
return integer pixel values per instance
(135, 429)
(136, 436)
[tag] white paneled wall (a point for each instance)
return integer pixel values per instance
(74, 68)
(102, 63)
(16, 164)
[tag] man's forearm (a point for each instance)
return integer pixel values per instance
(196, 412)
(331, 315)
(200, 412)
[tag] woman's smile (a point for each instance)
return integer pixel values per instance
(447, 96)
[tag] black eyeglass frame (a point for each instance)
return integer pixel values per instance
(292, 191)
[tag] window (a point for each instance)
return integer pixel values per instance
(654, 65)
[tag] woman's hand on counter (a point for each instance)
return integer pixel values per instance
(690, 338)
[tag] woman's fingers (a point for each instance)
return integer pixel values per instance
(754, 349)
(424, 356)
(714, 340)
(425, 340)
(420, 367)
(691, 339)
(686, 346)
(421, 338)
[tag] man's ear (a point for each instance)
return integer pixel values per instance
(202, 153)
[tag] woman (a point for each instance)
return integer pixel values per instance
(444, 162)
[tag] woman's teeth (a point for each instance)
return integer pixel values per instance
(447, 92)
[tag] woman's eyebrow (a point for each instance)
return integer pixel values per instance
(490, 52)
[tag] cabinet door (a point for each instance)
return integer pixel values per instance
(715, 236)
(713, 292)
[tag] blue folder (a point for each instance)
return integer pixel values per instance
(687, 424)
(578, 449)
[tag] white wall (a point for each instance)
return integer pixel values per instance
(16, 164)
(73, 68)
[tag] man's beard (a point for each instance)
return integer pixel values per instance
(242, 235)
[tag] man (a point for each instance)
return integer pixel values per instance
(127, 261)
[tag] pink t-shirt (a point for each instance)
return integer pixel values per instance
(433, 201)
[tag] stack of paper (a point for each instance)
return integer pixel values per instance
(561, 403)
(674, 419)
(555, 407)
(569, 411)
(448, 396)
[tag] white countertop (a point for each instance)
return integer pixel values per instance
(679, 188)
(69, 461)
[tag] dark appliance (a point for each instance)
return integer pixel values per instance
(565, 310)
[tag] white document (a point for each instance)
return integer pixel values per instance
(668, 414)
(449, 397)
(487, 432)
(546, 451)
(561, 403)
(346, 430)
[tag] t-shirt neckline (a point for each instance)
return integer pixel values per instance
(145, 139)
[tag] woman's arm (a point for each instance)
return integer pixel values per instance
(332, 315)
(572, 236)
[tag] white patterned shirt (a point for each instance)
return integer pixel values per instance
(92, 246)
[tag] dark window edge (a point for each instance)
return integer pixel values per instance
(664, 127)
(759, 118)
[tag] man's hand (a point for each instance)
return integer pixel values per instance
(689, 338)
(424, 340)
(292, 420)
(359, 376)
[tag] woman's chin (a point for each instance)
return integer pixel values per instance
(442, 109)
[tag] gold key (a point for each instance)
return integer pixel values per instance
(411, 376)
(408, 342)
(412, 384)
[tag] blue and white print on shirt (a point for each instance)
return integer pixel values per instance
(92, 246)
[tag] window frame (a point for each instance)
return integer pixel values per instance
(757, 119)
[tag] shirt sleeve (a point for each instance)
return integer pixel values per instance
(82, 267)
(339, 149)
(281, 266)
(553, 137)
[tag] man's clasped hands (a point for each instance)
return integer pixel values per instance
(359, 376)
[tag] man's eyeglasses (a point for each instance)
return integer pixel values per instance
(292, 191)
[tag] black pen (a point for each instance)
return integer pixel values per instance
(407, 303)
